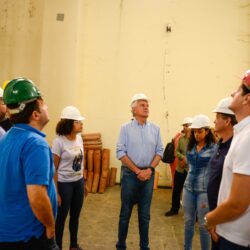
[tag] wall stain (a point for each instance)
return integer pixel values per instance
(4, 16)
(245, 5)
(31, 9)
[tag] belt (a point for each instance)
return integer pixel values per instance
(142, 168)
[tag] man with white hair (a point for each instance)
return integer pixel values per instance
(140, 149)
(232, 215)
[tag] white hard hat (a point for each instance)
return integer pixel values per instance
(1, 92)
(200, 121)
(72, 113)
(139, 96)
(187, 120)
(222, 106)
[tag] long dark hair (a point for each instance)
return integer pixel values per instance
(209, 139)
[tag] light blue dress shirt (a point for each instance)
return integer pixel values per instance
(139, 142)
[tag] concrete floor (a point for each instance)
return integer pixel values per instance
(100, 216)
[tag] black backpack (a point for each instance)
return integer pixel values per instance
(168, 155)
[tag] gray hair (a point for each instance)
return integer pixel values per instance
(133, 105)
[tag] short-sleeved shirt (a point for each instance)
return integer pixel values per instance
(237, 162)
(25, 159)
(139, 142)
(71, 155)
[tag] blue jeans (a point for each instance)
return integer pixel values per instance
(195, 204)
(228, 245)
(134, 191)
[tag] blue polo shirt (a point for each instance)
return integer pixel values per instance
(25, 159)
(216, 169)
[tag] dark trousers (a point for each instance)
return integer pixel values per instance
(33, 244)
(134, 191)
(228, 245)
(179, 179)
(215, 245)
(72, 194)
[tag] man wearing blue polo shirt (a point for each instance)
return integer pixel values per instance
(140, 149)
(27, 191)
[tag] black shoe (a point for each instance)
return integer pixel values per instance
(76, 248)
(170, 213)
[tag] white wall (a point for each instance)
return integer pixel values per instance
(106, 50)
(185, 72)
(59, 58)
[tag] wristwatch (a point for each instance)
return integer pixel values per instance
(206, 225)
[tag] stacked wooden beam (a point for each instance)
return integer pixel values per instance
(92, 141)
(97, 161)
(105, 170)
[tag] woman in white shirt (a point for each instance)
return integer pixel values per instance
(68, 159)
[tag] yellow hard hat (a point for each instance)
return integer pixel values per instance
(5, 83)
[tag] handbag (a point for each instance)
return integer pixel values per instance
(168, 154)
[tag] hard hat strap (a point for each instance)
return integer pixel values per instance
(17, 110)
(21, 107)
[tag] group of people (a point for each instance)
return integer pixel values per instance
(228, 222)
(39, 186)
(205, 174)
(204, 158)
(215, 193)
(35, 196)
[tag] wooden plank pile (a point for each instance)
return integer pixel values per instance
(97, 164)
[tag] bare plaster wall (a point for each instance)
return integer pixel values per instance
(185, 55)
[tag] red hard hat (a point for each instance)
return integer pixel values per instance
(246, 79)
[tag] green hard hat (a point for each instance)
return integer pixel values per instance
(20, 91)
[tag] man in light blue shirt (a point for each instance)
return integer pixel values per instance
(140, 149)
